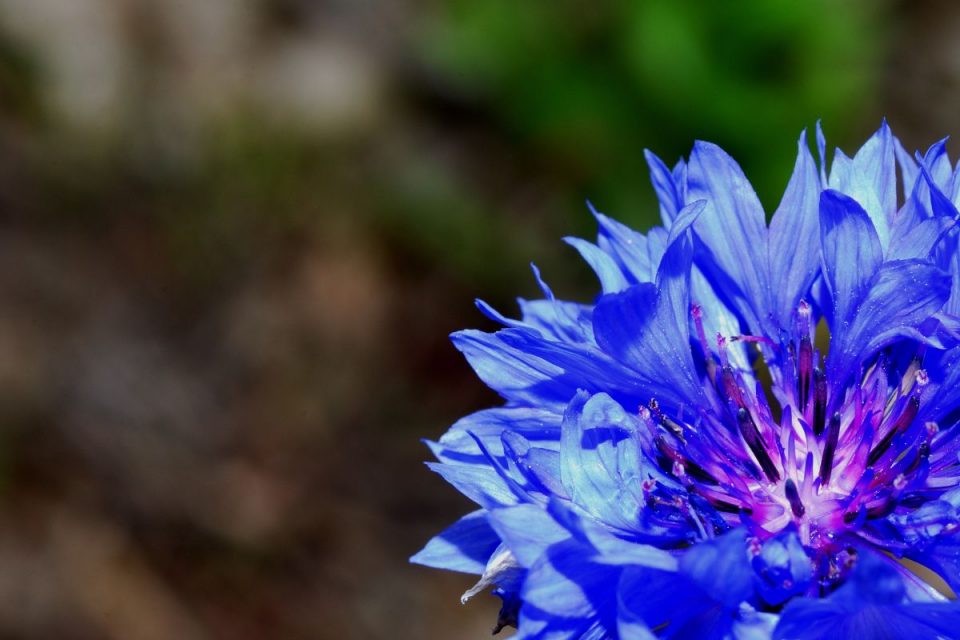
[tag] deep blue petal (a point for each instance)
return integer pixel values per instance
(702, 600)
(664, 601)
(870, 605)
(647, 326)
(942, 556)
(720, 567)
(632, 326)
(566, 584)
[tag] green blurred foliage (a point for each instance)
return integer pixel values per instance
(588, 85)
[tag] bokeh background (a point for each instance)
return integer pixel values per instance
(234, 235)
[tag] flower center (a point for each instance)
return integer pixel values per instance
(836, 458)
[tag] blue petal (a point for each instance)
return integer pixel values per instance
(754, 625)
(943, 557)
(920, 239)
(782, 568)
(657, 244)
(611, 276)
(482, 484)
(733, 230)
(908, 167)
(901, 296)
(943, 395)
(937, 164)
(601, 475)
(667, 602)
(566, 584)
(851, 256)
(931, 532)
(578, 367)
(524, 367)
(795, 237)
(670, 197)
(851, 252)
(647, 327)
(822, 153)
(871, 179)
(720, 568)
(953, 266)
(465, 546)
(626, 246)
(701, 601)
(538, 467)
(558, 319)
(528, 530)
(718, 320)
(608, 546)
(807, 619)
(540, 426)
(870, 605)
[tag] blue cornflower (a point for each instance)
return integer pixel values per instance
(750, 429)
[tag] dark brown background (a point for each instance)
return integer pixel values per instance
(234, 235)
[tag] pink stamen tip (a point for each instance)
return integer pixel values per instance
(757, 339)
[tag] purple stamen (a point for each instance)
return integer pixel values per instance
(750, 433)
(794, 497)
(826, 463)
(804, 370)
(819, 401)
(909, 413)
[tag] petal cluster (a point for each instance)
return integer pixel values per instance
(748, 432)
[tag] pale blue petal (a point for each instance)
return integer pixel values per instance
(733, 231)
(465, 546)
(611, 276)
(795, 238)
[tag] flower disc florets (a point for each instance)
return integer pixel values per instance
(747, 432)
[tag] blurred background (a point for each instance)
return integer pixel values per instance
(234, 235)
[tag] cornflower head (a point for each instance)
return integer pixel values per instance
(751, 429)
